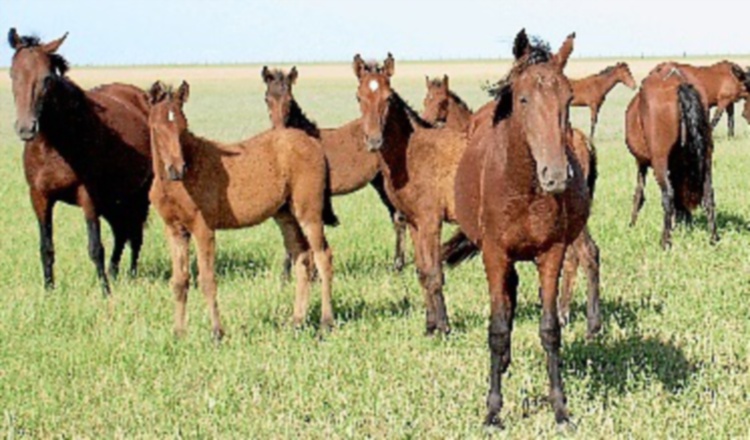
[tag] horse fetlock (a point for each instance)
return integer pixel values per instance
(494, 406)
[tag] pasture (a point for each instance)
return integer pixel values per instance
(673, 359)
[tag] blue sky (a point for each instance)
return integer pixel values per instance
(106, 32)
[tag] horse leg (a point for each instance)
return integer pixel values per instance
(286, 270)
(119, 247)
(717, 115)
(205, 241)
(399, 224)
(430, 272)
(179, 247)
(549, 265)
(136, 242)
(96, 249)
(569, 274)
(638, 197)
(588, 252)
(323, 259)
(43, 209)
(730, 119)
(709, 204)
(594, 119)
(298, 249)
(503, 283)
(667, 202)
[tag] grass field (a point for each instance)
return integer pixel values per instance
(673, 360)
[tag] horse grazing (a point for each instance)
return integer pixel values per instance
(201, 186)
(522, 194)
(418, 163)
(84, 148)
(442, 107)
(667, 128)
(722, 84)
(591, 91)
(351, 166)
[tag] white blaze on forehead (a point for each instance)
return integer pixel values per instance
(170, 116)
(374, 86)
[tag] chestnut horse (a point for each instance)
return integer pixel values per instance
(667, 128)
(85, 148)
(592, 90)
(723, 84)
(442, 107)
(201, 186)
(418, 163)
(351, 166)
(521, 194)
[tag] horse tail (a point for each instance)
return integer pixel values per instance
(329, 217)
(458, 249)
(696, 144)
(593, 170)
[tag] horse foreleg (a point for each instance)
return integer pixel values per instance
(717, 116)
(206, 246)
(594, 119)
(136, 242)
(179, 247)
(730, 119)
(638, 197)
(430, 272)
(549, 265)
(96, 249)
(323, 259)
(503, 284)
(43, 210)
(399, 224)
(117, 250)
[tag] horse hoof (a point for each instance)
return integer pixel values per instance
(398, 264)
(217, 335)
(179, 333)
(327, 325)
(564, 318)
(114, 272)
(566, 427)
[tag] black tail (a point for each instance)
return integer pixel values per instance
(458, 249)
(329, 217)
(696, 142)
(593, 170)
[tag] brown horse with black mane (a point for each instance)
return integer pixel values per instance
(667, 129)
(592, 90)
(85, 148)
(523, 192)
(351, 166)
(442, 107)
(418, 163)
(722, 84)
(201, 186)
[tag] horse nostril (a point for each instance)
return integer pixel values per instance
(545, 170)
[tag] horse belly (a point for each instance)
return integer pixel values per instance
(248, 205)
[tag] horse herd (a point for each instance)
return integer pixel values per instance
(514, 176)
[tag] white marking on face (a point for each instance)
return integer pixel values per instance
(374, 86)
(170, 116)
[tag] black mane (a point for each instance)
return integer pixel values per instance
(609, 69)
(58, 63)
(539, 52)
(298, 119)
(460, 102)
(398, 103)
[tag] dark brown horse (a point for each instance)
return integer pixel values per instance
(722, 84)
(522, 194)
(667, 129)
(85, 148)
(591, 91)
(351, 166)
(418, 163)
(202, 186)
(442, 107)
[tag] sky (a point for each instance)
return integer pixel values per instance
(133, 32)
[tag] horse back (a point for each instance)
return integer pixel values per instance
(120, 109)
(351, 165)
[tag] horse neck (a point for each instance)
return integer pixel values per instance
(297, 119)
(520, 167)
(67, 117)
(458, 115)
(195, 150)
(609, 81)
(396, 137)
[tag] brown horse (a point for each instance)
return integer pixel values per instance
(442, 107)
(85, 148)
(201, 186)
(351, 166)
(667, 128)
(722, 84)
(418, 163)
(521, 194)
(592, 90)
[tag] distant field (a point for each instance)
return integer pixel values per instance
(673, 360)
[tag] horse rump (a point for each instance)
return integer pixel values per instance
(688, 164)
(458, 249)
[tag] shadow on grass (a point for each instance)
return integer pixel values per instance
(725, 221)
(228, 263)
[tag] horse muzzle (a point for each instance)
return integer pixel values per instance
(374, 143)
(176, 173)
(555, 181)
(27, 132)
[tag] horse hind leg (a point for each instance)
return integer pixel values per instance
(638, 197)
(136, 242)
(430, 271)
(730, 120)
(298, 250)
(588, 253)
(667, 201)
(117, 250)
(569, 275)
(179, 246)
(323, 259)
(96, 249)
(594, 120)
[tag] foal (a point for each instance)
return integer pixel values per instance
(418, 163)
(201, 186)
(351, 166)
(591, 91)
(442, 107)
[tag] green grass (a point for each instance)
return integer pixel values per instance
(673, 360)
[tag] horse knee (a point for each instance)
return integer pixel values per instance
(207, 281)
(431, 279)
(549, 332)
(499, 339)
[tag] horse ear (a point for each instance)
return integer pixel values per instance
(562, 55)
(504, 106)
(292, 77)
(521, 45)
(266, 74)
(156, 93)
(358, 65)
(445, 82)
(183, 93)
(389, 65)
(53, 45)
(427, 81)
(13, 39)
